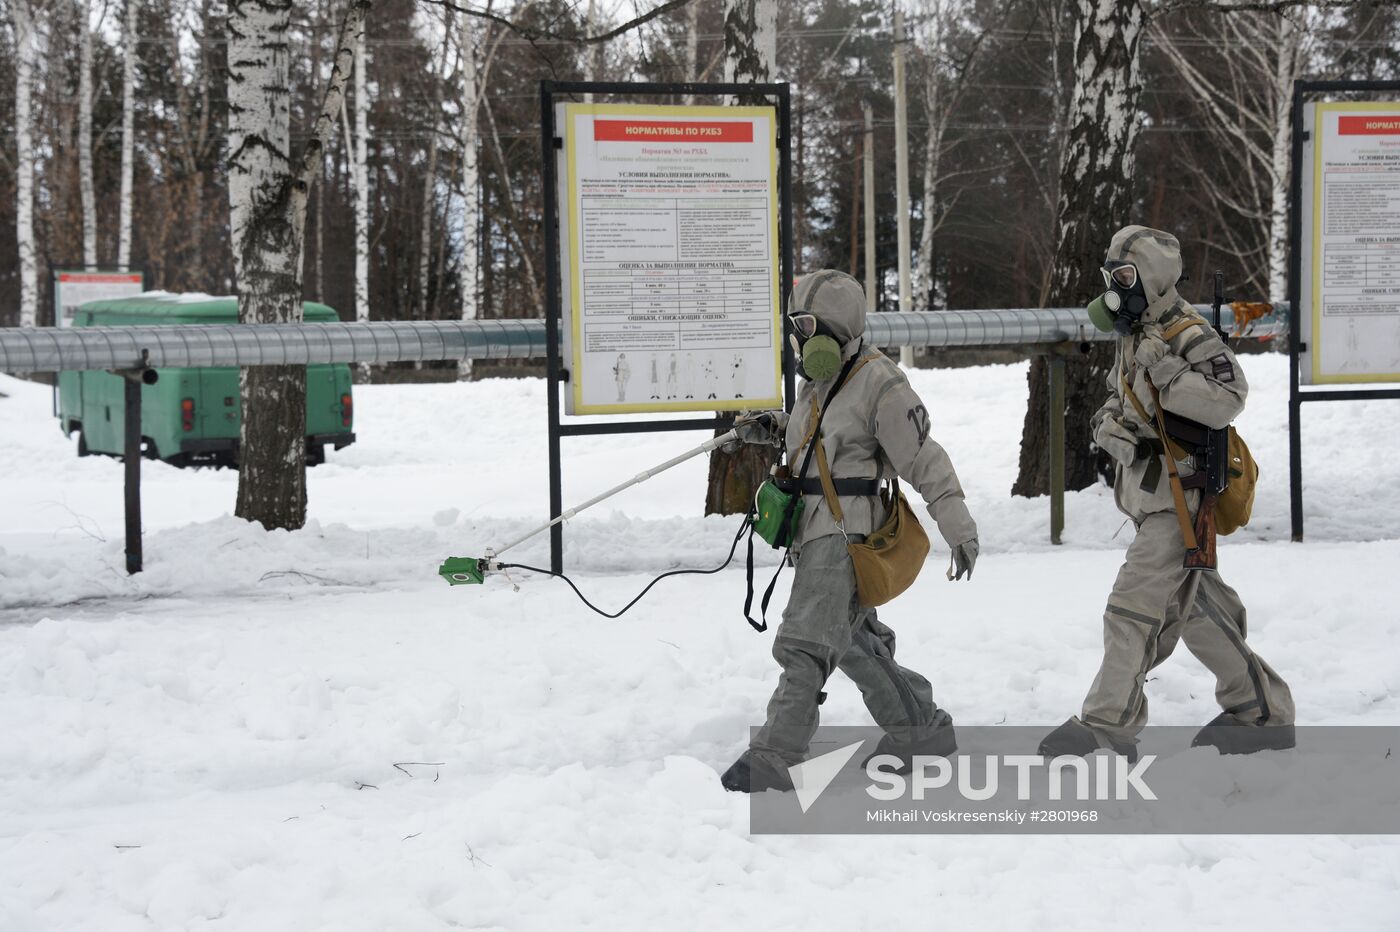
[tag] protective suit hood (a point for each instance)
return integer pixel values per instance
(834, 298)
(1157, 256)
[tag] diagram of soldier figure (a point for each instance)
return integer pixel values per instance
(622, 371)
(689, 376)
(710, 369)
(1355, 360)
(655, 382)
(737, 375)
(671, 388)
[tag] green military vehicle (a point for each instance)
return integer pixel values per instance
(190, 417)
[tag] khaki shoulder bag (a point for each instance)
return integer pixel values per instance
(890, 558)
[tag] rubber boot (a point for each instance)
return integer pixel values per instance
(1229, 735)
(1076, 739)
(750, 774)
(941, 742)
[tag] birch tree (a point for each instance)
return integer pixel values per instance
(429, 215)
(129, 39)
(945, 77)
(267, 200)
(1247, 115)
(22, 15)
(361, 176)
(692, 45)
(85, 184)
(1095, 200)
(469, 180)
(750, 40)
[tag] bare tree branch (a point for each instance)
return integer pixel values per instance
(1248, 6)
(533, 35)
(332, 103)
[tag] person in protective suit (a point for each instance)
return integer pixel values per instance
(1164, 345)
(874, 428)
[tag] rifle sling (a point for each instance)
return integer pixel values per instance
(850, 368)
(1183, 513)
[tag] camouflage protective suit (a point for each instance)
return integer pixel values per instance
(1156, 602)
(875, 427)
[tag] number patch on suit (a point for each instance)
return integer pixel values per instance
(1221, 368)
(919, 416)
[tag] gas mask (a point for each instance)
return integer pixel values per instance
(1119, 308)
(818, 353)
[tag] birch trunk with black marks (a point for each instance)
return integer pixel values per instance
(85, 186)
(1288, 67)
(425, 232)
(361, 178)
(469, 191)
(1095, 201)
(932, 35)
(1247, 114)
(750, 55)
(22, 14)
(924, 298)
(429, 216)
(268, 192)
(750, 40)
(692, 45)
(318, 268)
(128, 134)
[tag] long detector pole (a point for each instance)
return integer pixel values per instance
(639, 478)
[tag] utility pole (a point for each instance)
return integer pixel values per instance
(901, 176)
(869, 209)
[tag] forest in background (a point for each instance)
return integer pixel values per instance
(988, 91)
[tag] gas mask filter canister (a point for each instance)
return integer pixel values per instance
(818, 353)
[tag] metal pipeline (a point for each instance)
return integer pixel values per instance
(49, 349)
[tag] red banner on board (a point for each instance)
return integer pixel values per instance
(105, 278)
(672, 131)
(1368, 126)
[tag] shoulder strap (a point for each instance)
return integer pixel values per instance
(1181, 326)
(1127, 391)
(833, 501)
(813, 438)
(1183, 514)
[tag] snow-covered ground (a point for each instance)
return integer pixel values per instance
(212, 744)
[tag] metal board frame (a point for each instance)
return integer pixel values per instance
(1302, 90)
(556, 375)
(57, 269)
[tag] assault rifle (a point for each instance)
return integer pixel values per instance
(1213, 461)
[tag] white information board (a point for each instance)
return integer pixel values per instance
(73, 289)
(1350, 288)
(669, 258)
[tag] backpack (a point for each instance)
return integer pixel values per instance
(1234, 505)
